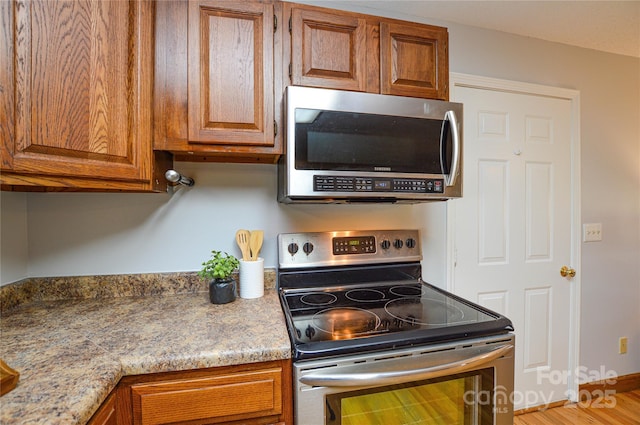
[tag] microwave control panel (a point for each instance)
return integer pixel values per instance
(376, 184)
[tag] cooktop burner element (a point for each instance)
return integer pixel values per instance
(365, 295)
(370, 300)
(344, 322)
(318, 298)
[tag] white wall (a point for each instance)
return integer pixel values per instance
(73, 234)
(92, 233)
(13, 237)
(127, 233)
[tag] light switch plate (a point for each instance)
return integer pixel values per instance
(591, 232)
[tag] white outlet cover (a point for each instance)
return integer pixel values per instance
(591, 232)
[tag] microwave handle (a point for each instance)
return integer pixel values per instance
(388, 376)
(455, 158)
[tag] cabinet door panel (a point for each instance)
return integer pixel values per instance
(414, 60)
(227, 397)
(106, 414)
(82, 89)
(328, 50)
(231, 73)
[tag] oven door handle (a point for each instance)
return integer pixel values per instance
(396, 371)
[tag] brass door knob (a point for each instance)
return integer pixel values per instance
(566, 271)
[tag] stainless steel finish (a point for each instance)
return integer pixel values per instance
(407, 370)
(309, 392)
(451, 177)
(320, 250)
(296, 186)
(174, 177)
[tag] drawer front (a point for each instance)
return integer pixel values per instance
(226, 397)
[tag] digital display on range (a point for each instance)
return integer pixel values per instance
(354, 245)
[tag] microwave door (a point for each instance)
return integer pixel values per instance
(450, 164)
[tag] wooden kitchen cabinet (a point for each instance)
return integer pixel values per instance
(350, 51)
(106, 414)
(328, 49)
(215, 81)
(414, 60)
(252, 394)
(76, 86)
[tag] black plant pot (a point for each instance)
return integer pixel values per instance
(222, 291)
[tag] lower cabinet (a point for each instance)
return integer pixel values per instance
(252, 394)
(106, 414)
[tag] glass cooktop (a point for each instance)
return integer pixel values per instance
(337, 320)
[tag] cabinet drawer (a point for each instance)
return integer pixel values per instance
(228, 397)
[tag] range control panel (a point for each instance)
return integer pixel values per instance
(376, 184)
(319, 249)
(354, 245)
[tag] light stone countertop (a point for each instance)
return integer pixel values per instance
(72, 353)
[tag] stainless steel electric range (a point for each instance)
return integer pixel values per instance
(373, 343)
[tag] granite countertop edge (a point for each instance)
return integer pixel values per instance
(74, 342)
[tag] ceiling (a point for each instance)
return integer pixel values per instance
(609, 26)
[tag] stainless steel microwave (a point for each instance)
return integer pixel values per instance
(346, 146)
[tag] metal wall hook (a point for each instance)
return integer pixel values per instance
(178, 180)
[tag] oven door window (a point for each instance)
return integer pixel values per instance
(463, 399)
(347, 141)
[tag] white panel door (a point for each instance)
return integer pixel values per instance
(513, 229)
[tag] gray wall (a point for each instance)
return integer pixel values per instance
(68, 234)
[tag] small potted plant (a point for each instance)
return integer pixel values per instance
(218, 269)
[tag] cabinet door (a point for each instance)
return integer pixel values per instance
(414, 60)
(106, 414)
(81, 86)
(328, 49)
(215, 399)
(231, 73)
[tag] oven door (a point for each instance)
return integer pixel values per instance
(463, 383)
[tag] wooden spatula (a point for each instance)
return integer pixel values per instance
(255, 243)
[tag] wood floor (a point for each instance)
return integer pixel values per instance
(625, 411)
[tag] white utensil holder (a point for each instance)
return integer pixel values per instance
(252, 278)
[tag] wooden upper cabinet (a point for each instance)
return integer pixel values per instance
(231, 73)
(215, 80)
(328, 50)
(351, 51)
(76, 84)
(414, 60)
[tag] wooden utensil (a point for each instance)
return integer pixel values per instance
(255, 243)
(242, 239)
(8, 378)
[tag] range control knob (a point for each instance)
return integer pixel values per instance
(307, 248)
(397, 244)
(292, 248)
(411, 243)
(309, 332)
(385, 244)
